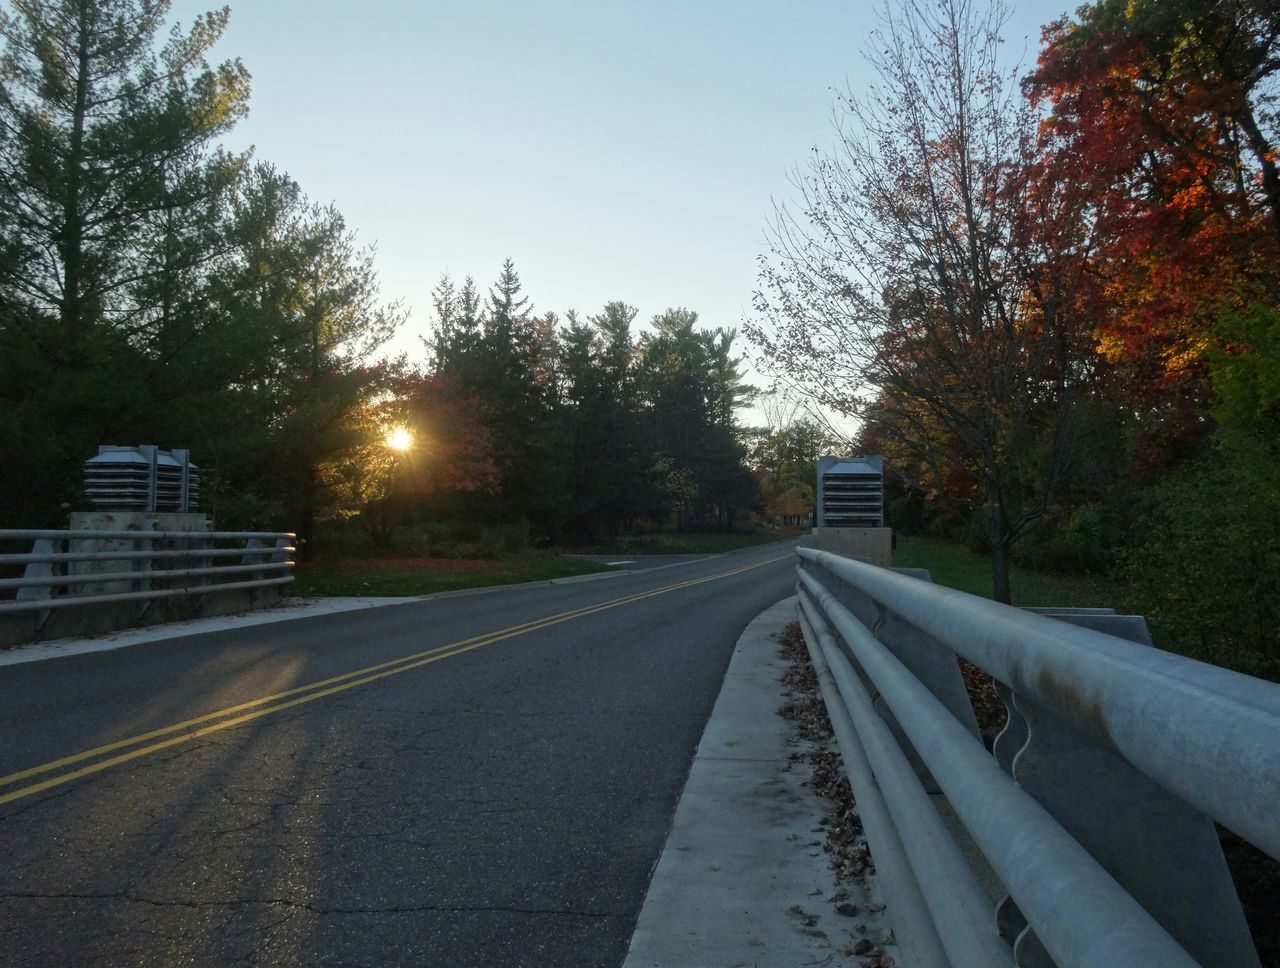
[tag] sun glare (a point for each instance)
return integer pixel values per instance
(399, 439)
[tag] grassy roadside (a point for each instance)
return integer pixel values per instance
(956, 566)
(360, 573)
(684, 544)
(424, 576)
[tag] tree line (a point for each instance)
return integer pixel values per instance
(1050, 297)
(155, 287)
(590, 428)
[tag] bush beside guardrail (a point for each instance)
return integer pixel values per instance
(1096, 808)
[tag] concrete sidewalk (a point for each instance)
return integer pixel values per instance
(743, 879)
(284, 611)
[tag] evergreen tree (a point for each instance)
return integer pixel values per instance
(302, 301)
(444, 300)
(106, 148)
(110, 189)
(607, 477)
(505, 302)
(690, 388)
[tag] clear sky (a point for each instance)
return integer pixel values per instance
(614, 150)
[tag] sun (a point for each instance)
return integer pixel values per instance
(399, 439)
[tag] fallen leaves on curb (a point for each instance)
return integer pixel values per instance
(845, 841)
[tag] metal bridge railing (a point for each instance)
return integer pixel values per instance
(1095, 811)
(72, 569)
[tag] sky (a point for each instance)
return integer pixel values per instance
(613, 150)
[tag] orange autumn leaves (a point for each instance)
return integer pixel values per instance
(1158, 114)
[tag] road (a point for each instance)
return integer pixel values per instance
(476, 780)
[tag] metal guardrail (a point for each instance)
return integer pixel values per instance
(75, 568)
(1095, 810)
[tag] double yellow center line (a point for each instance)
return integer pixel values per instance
(100, 758)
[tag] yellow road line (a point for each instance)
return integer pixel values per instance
(191, 728)
(187, 724)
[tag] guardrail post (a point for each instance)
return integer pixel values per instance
(199, 541)
(863, 606)
(281, 555)
(252, 558)
(252, 553)
(1162, 851)
(1013, 736)
(933, 664)
(1011, 740)
(144, 543)
(39, 569)
(867, 612)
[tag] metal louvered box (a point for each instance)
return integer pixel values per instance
(851, 492)
(142, 478)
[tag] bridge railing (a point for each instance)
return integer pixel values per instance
(79, 568)
(1086, 836)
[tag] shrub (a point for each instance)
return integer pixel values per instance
(503, 540)
(907, 513)
(338, 540)
(1085, 540)
(1206, 570)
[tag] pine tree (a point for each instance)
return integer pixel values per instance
(690, 388)
(303, 302)
(506, 305)
(106, 149)
(110, 196)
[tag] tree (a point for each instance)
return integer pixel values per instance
(505, 302)
(444, 300)
(449, 455)
(929, 278)
(608, 474)
(592, 432)
(1186, 88)
(111, 194)
(690, 387)
(105, 148)
(1205, 567)
(155, 288)
(786, 451)
(1164, 115)
(508, 361)
(304, 299)
(793, 506)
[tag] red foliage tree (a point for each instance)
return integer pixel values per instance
(1159, 115)
(452, 449)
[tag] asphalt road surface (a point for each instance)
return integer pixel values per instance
(479, 780)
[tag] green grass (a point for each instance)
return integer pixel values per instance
(672, 543)
(956, 566)
(424, 576)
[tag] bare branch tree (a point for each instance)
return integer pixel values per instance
(925, 277)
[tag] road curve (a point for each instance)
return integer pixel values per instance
(477, 780)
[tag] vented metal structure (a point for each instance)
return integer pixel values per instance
(851, 492)
(143, 478)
